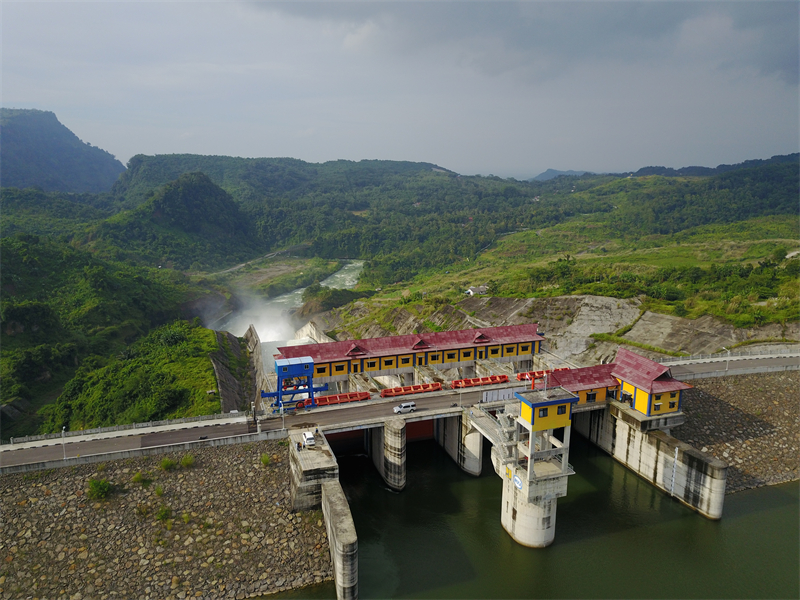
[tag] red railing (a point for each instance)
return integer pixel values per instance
(410, 389)
(533, 375)
(335, 399)
(465, 383)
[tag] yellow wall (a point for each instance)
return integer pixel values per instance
(372, 364)
(553, 420)
(410, 362)
(341, 371)
(355, 366)
(494, 352)
(525, 348)
(322, 370)
(435, 358)
(509, 350)
(601, 395)
(664, 401)
(449, 356)
(468, 354)
(388, 362)
(525, 412)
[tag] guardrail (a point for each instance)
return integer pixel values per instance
(77, 432)
(723, 354)
(749, 371)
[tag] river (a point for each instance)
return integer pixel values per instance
(616, 537)
(268, 314)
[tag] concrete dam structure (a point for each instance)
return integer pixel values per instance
(627, 408)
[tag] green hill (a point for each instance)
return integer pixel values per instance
(36, 150)
(187, 223)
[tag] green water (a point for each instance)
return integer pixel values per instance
(616, 537)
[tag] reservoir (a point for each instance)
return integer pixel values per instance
(616, 537)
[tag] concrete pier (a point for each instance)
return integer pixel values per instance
(688, 475)
(528, 513)
(310, 467)
(388, 450)
(342, 540)
(461, 441)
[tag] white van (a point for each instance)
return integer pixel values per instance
(405, 407)
(308, 439)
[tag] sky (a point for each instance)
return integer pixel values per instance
(503, 88)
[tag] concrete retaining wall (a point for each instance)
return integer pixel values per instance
(77, 432)
(692, 477)
(152, 451)
(256, 356)
(342, 540)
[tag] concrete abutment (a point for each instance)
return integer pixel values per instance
(676, 468)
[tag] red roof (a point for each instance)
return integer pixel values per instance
(645, 374)
(584, 378)
(407, 344)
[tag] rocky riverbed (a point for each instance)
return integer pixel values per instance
(752, 422)
(218, 528)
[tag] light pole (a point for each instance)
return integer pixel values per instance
(63, 446)
(727, 360)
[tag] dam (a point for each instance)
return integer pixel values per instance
(626, 408)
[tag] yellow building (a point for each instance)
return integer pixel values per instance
(647, 385)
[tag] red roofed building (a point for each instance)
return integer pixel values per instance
(647, 385)
(400, 354)
(590, 384)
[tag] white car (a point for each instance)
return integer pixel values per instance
(308, 439)
(405, 407)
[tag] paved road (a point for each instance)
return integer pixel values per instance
(329, 418)
(325, 418)
(720, 364)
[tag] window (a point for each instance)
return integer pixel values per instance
(320, 370)
(306, 367)
(591, 396)
(658, 396)
(405, 361)
(542, 413)
(523, 348)
(370, 364)
(562, 410)
(434, 357)
(672, 404)
(339, 367)
(285, 369)
(611, 393)
(468, 354)
(509, 349)
(673, 394)
(494, 351)
(451, 356)
(388, 362)
(657, 407)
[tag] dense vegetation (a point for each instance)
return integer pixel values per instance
(61, 304)
(166, 374)
(190, 223)
(86, 310)
(39, 151)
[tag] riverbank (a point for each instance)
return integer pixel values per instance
(221, 528)
(752, 422)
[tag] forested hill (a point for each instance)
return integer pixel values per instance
(709, 171)
(36, 150)
(188, 223)
(251, 180)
